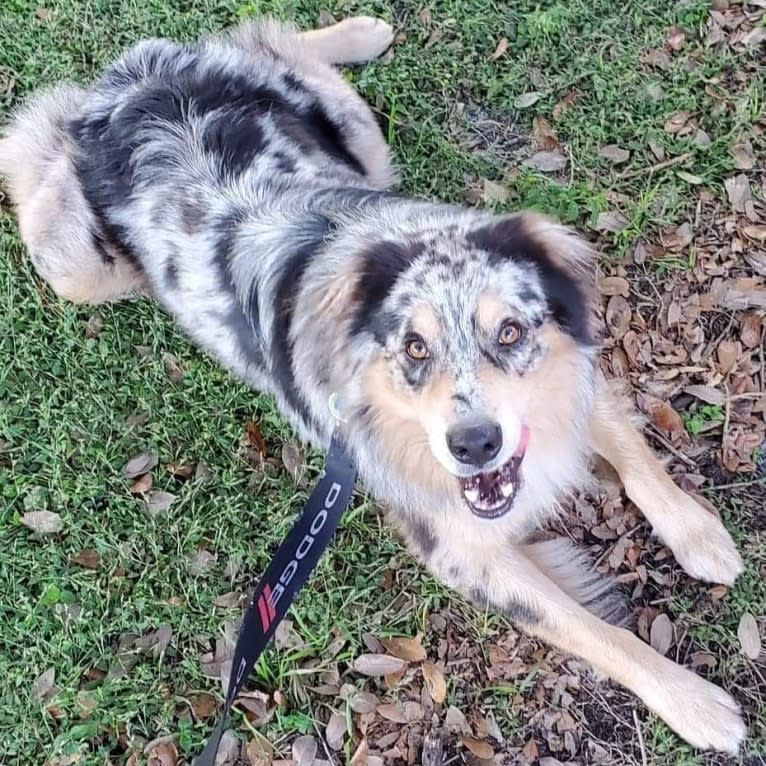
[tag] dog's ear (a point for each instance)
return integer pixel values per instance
(565, 263)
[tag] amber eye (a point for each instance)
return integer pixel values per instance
(417, 349)
(510, 333)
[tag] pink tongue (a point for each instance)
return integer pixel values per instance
(521, 448)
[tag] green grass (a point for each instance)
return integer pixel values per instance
(68, 403)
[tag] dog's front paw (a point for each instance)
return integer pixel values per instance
(701, 544)
(700, 712)
(369, 36)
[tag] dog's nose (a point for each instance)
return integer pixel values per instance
(475, 444)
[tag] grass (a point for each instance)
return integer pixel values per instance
(76, 408)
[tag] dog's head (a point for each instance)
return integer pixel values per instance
(472, 335)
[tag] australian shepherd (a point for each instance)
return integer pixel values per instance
(242, 183)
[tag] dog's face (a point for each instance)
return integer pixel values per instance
(461, 321)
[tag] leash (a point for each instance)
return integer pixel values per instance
(291, 566)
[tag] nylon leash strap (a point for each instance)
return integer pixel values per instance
(289, 569)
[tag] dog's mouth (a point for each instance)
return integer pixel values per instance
(492, 494)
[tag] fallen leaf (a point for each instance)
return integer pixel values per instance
(617, 316)
(292, 459)
(738, 192)
(435, 683)
(611, 221)
(199, 561)
(614, 286)
(93, 326)
(661, 634)
(142, 484)
(359, 758)
(743, 155)
(677, 122)
(140, 464)
(530, 751)
(336, 731)
(378, 664)
(392, 712)
(677, 239)
(750, 330)
(408, 649)
(756, 232)
(456, 722)
(43, 522)
(257, 753)
(525, 100)
(159, 501)
(204, 705)
(747, 633)
(502, 47)
(615, 154)
(43, 684)
(227, 600)
(546, 162)
(161, 752)
(690, 178)
(203, 472)
(325, 19)
(728, 352)
(286, 637)
(255, 436)
(661, 414)
(304, 750)
(706, 394)
(676, 37)
(566, 103)
(493, 192)
(173, 367)
(43, 13)
(543, 134)
(228, 750)
(657, 58)
(363, 702)
(181, 470)
(87, 558)
(478, 747)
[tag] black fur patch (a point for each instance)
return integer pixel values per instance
(422, 535)
(171, 271)
(520, 613)
(382, 265)
(508, 239)
(313, 234)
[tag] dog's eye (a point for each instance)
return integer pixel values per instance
(416, 348)
(510, 333)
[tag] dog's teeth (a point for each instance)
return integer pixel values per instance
(472, 495)
(507, 489)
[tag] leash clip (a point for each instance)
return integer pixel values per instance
(333, 404)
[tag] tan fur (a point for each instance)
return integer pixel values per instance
(490, 311)
(426, 324)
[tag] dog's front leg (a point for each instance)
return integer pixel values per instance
(502, 577)
(697, 538)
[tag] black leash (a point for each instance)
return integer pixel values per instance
(288, 571)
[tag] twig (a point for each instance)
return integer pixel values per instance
(737, 485)
(670, 448)
(727, 416)
(641, 746)
(653, 168)
(326, 749)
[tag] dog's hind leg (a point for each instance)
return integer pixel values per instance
(58, 227)
(351, 41)
(697, 538)
(498, 575)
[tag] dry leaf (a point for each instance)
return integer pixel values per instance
(203, 472)
(292, 458)
(87, 558)
(140, 464)
(93, 326)
(566, 103)
(502, 47)
(227, 600)
(738, 191)
(743, 155)
(529, 751)
(611, 221)
(494, 192)
(728, 353)
(546, 162)
(363, 702)
(676, 38)
(678, 239)
(661, 414)
(142, 484)
(456, 722)
(756, 232)
(228, 750)
(158, 502)
(543, 134)
(43, 13)
(435, 683)
(525, 100)
(479, 748)
(747, 633)
(359, 758)
(43, 522)
(43, 685)
(408, 649)
(661, 634)
(304, 750)
(255, 437)
(392, 712)
(378, 664)
(677, 122)
(615, 154)
(750, 330)
(173, 367)
(614, 286)
(204, 705)
(617, 316)
(336, 731)
(199, 561)
(161, 752)
(706, 394)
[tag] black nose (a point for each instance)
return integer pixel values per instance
(475, 444)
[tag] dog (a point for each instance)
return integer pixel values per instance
(242, 183)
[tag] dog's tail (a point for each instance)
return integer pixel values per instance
(570, 568)
(57, 225)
